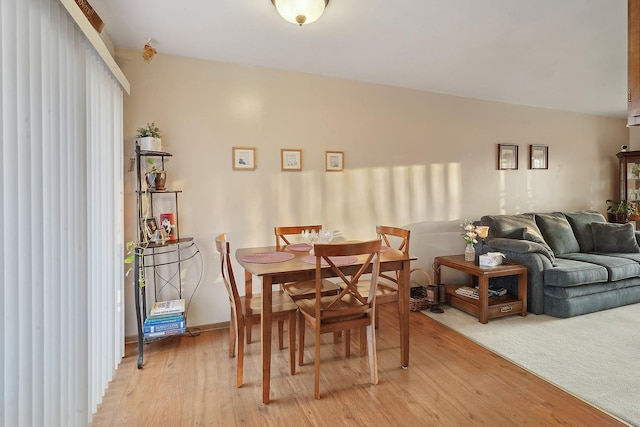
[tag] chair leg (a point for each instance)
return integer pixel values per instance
(232, 336)
(373, 357)
(292, 341)
(316, 393)
(248, 332)
(301, 328)
(281, 334)
(240, 361)
(363, 341)
(347, 342)
(377, 319)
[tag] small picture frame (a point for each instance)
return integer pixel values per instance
(538, 156)
(168, 225)
(244, 158)
(507, 156)
(152, 232)
(334, 161)
(290, 159)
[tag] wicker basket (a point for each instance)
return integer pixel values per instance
(418, 299)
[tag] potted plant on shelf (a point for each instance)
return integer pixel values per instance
(148, 138)
(156, 179)
(618, 211)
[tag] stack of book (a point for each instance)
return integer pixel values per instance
(470, 292)
(165, 318)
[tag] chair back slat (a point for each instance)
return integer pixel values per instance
(226, 269)
(384, 233)
(349, 302)
(283, 234)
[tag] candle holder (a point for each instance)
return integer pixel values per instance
(483, 232)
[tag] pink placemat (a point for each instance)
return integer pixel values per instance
(337, 260)
(267, 257)
(299, 247)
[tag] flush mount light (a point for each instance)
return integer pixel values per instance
(300, 12)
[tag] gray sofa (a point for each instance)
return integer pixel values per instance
(577, 262)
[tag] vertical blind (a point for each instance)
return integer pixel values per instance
(62, 219)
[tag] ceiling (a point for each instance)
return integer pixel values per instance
(561, 54)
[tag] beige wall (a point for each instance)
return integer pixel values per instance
(412, 159)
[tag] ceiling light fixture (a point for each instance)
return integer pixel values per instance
(300, 11)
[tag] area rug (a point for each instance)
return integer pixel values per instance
(594, 356)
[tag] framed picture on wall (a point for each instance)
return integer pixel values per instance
(244, 158)
(290, 159)
(334, 161)
(507, 156)
(538, 157)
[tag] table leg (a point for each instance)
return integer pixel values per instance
(403, 312)
(483, 303)
(522, 291)
(265, 337)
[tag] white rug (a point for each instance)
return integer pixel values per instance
(594, 356)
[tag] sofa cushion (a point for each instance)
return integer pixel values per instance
(618, 268)
(581, 225)
(614, 238)
(557, 232)
(568, 272)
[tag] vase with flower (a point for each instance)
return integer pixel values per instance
(469, 237)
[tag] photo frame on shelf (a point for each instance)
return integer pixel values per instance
(244, 158)
(152, 233)
(334, 161)
(168, 225)
(290, 159)
(507, 156)
(538, 156)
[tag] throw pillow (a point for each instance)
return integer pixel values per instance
(557, 232)
(614, 238)
(512, 226)
(581, 224)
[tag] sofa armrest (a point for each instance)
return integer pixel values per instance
(533, 256)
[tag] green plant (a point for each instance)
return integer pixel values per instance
(153, 165)
(150, 130)
(133, 249)
(619, 206)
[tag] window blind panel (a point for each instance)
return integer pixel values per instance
(61, 252)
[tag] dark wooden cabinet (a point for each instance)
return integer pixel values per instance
(633, 108)
(629, 178)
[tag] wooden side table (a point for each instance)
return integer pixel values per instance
(484, 308)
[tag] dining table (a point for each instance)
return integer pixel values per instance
(291, 263)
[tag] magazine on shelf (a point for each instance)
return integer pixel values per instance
(162, 308)
(496, 292)
(468, 291)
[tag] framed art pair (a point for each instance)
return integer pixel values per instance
(508, 156)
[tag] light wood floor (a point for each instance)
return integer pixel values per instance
(451, 381)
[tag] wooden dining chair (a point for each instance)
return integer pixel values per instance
(387, 290)
(347, 310)
(245, 311)
(304, 289)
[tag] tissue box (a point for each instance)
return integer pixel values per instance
(490, 260)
